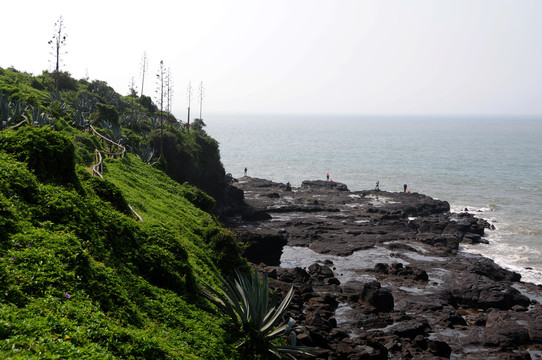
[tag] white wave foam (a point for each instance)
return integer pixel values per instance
(503, 247)
(512, 257)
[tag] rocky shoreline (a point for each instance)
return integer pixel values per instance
(380, 275)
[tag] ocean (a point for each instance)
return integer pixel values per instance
(490, 166)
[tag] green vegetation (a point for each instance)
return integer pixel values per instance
(80, 276)
(134, 122)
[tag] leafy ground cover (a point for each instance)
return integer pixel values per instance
(81, 278)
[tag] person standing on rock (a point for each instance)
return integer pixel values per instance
(245, 171)
(404, 187)
(377, 187)
(327, 175)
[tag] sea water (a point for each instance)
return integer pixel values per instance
(490, 166)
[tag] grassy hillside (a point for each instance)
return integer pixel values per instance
(80, 276)
(188, 154)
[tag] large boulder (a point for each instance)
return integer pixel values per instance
(479, 292)
(264, 248)
(322, 184)
(374, 295)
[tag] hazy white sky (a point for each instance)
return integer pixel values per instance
(445, 57)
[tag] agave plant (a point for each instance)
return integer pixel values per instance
(11, 112)
(146, 153)
(116, 135)
(57, 104)
(40, 118)
(80, 121)
(155, 123)
(105, 124)
(130, 120)
(83, 105)
(248, 302)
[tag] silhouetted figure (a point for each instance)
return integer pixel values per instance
(245, 171)
(377, 187)
(288, 186)
(327, 175)
(404, 187)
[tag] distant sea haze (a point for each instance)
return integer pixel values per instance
(490, 166)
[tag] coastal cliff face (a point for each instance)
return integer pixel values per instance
(381, 275)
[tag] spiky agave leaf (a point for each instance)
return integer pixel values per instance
(295, 349)
(279, 311)
(247, 300)
(226, 299)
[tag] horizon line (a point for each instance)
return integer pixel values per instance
(376, 115)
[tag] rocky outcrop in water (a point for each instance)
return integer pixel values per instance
(381, 275)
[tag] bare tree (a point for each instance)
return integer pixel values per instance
(58, 41)
(189, 90)
(200, 98)
(160, 99)
(169, 90)
(144, 64)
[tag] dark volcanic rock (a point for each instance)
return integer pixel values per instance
(409, 328)
(256, 216)
(480, 292)
(372, 294)
(264, 248)
(381, 275)
(321, 184)
(404, 271)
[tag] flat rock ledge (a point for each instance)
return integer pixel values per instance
(381, 275)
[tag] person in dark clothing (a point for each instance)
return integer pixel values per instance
(404, 187)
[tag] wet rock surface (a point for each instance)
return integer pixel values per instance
(380, 275)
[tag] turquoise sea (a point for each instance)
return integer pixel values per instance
(491, 166)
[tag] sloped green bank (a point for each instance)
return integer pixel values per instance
(81, 278)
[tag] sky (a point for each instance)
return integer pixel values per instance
(345, 57)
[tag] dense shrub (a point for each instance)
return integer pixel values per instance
(17, 186)
(64, 81)
(15, 179)
(7, 220)
(197, 197)
(211, 172)
(108, 113)
(57, 80)
(19, 87)
(147, 103)
(106, 94)
(48, 153)
(163, 261)
(225, 249)
(85, 148)
(107, 191)
(191, 157)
